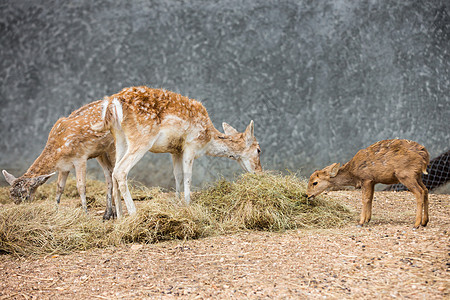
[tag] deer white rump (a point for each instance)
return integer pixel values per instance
(143, 119)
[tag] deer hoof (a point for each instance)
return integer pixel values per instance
(109, 214)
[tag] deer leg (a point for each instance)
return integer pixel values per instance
(132, 156)
(106, 165)
(367, 197)
(62, 178)
(177, 160)
(120, 174)
(121, 148)
(426, 203)
(80, 171)
(188, 161)
(421, 197)
(116, 196)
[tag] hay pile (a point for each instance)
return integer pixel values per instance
(269, 202)
(41, 228)
(253, 202)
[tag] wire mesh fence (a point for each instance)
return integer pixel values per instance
(438, 174)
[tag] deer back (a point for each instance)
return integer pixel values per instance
(383, 160)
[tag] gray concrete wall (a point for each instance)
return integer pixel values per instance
(321, 79)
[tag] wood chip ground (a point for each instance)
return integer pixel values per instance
(384, 260)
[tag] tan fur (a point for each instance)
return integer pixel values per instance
(388, 162)
(71, 142)
(70, 138)
(144, 119)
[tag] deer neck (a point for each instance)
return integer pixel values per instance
(44, 164)
(344, 177)
(220, 145)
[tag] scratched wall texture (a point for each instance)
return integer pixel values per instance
(321, 79)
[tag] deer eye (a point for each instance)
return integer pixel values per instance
(259, 151)
(315, 183)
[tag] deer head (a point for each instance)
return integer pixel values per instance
(23, 188)
(322, 179)
(243, 147)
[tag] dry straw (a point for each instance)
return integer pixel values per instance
(265, 201)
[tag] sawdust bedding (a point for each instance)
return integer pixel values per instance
(386, 259)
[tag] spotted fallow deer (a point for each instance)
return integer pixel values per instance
(388, 162)
(71, 143)
(144, 119)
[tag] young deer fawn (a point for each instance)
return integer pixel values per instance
(388, 162)
(71, 143)
(143, 119)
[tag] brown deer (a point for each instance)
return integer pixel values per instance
(71, 143)
(387, 162)
(144, 119)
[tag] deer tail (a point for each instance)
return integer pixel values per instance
(112, 115)
(426, 157)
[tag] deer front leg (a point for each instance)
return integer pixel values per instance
(61, 183)
(367, 197)
(80, 172)
(188, 161)
(177, 160)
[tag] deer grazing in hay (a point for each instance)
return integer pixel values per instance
(71, 143)
(142, 119)
(388, 162)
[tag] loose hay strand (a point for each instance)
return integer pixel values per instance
(266, 201)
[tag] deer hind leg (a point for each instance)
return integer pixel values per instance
(367, 197)
(120, 174)
(61, 183)
(116, 196)
(426, 204)
(177, 160)
(419, 190)
(121, 149)
(416, 186)
(134, 153)
(80, 171)
(107, 167)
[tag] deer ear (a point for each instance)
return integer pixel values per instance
(249, 137)
(334, 169)
(37, 181)
(250, 129)
(9, 177)
(228, 129)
